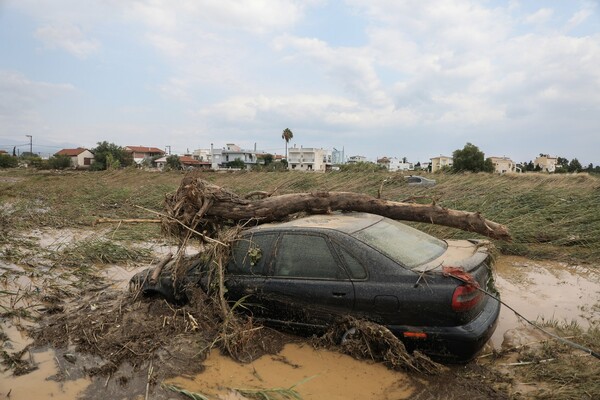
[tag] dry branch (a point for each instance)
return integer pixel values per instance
(127, 221)
(159, 267)
(203, 206)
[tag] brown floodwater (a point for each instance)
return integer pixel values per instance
(540, 290)
(38, 384)
(543, 291)
(318, 374)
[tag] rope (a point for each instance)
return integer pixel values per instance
(553, 335)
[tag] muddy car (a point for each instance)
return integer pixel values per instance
(415, 180)
(307, 273)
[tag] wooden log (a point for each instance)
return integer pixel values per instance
(193, 195)
(158, 269)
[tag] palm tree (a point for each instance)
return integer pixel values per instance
(287, 135)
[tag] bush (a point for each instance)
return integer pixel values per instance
(362, 167)
(7, 161)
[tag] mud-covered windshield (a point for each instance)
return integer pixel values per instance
(408, 246)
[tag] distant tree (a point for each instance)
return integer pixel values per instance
(110, 155)
(562, 163)
(237, 163)
(268, 158)
(470, 158)
(589, 168)
(404, 160)
(488, 165)
(287, 135)
(173, 162)
(418, 165)
(575, 166)
(7, 161)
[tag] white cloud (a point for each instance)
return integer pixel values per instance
(67, 37)
(541, 16)
(21, 99)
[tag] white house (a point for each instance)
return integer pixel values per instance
(141, 153)
(80, 157)
(308, 159)
(395, 164)
(356, 159)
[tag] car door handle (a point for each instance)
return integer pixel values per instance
(338, 294)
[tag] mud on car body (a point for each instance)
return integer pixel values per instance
(307, 273)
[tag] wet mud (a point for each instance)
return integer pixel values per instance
(541, 291)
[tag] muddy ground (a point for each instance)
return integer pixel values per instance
(70, 328)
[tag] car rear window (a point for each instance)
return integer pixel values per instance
(408, 246)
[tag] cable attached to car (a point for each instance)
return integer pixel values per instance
(553, 335)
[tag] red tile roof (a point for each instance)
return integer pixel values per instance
(143, 149)
(190, 161)
(71, 152)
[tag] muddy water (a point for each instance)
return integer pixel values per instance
(37, 384)
(318, 374)
(538, 290)
(543, 291)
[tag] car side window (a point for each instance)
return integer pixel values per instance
(306, 256)
(413, 179)
(249, 255)
(355, 268)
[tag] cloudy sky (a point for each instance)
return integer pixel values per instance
(403, 78)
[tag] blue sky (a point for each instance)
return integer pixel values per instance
(389, 78)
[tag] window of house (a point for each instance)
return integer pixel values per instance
(87, 161)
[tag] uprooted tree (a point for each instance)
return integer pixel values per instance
(206, 208)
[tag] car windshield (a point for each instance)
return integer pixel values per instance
(408, 246)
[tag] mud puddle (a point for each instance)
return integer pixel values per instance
(42, 382)
(544, 291)
(314, 374)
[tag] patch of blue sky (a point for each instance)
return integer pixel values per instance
(335, 23)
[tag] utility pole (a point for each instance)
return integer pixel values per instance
(30, 144)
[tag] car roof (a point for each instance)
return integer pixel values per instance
(343, 222)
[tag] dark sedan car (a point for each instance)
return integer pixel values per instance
(308, 272)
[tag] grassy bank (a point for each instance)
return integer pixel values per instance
(550, 216)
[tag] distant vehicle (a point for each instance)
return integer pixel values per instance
(415, 180)
(306, 273)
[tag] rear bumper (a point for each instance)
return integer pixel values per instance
(454, 343)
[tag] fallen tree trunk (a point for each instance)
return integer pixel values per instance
(205, 207)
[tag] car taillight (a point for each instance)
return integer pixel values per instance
(465, 297)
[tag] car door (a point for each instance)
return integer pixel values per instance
(308, 284)
(247, 270)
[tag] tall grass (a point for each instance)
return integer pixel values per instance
(548, 215)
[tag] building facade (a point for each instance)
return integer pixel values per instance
(308, 159)
(437, 163)
(503, 165)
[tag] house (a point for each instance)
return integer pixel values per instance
(437, 163)
(80, 157)
(232, 152)
(356, 159)
(308, 159)
(141, 153)
(189, 162)
(202, 155)
(546, 162)
(394, 164)
(503, 165)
